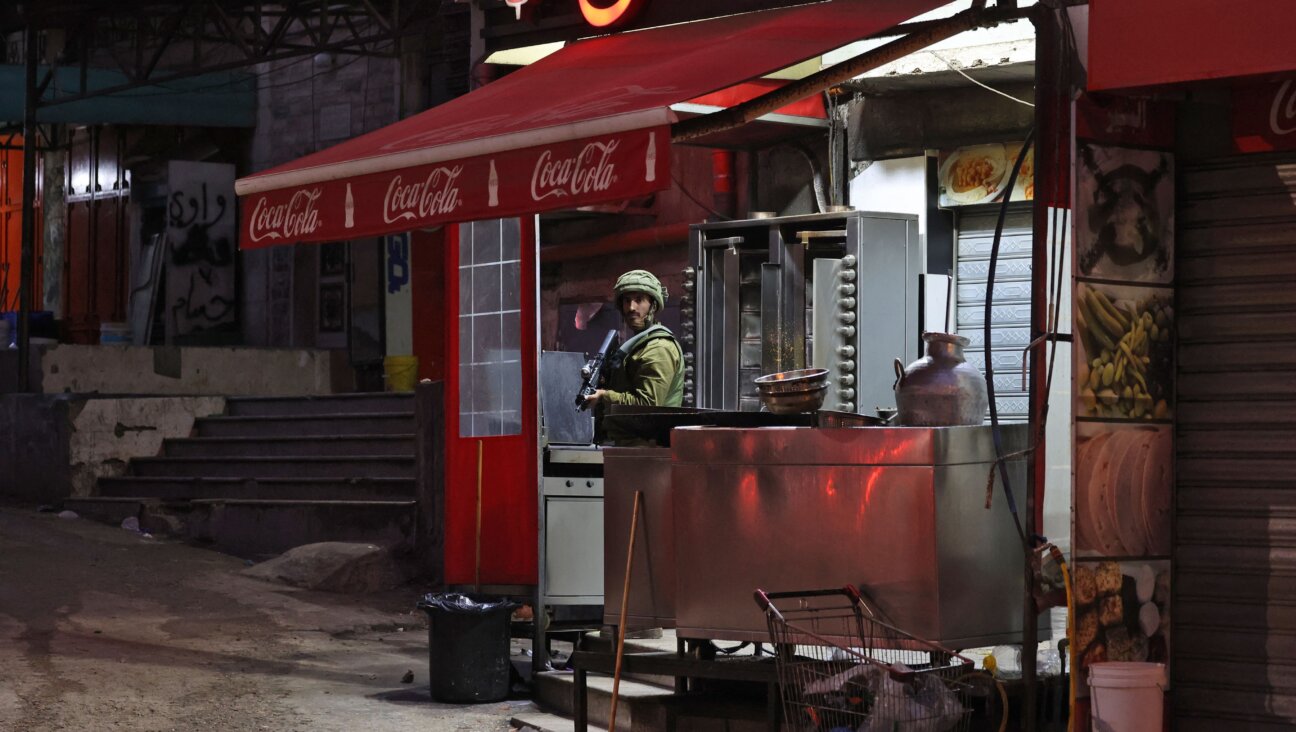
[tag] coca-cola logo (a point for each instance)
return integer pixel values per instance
(435, 195)
(589, 171)
(1282, 114)
(296, 218)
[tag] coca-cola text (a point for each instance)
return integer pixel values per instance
(435, 195)
(298, 217)
(1282, 115)
(589, 171)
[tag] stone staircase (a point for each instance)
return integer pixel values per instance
(277, 472)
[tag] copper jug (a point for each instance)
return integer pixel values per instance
(940, 389)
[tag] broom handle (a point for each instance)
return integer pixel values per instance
(625, 604)
(477, 558)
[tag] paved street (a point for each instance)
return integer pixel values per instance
(103, 629)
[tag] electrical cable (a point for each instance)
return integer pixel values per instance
(998, 685)
(987, 87)
(996, 431)
(731, 649)
(694, 199)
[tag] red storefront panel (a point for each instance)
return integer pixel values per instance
(1138, 43)
(509, 464)
(563, 175)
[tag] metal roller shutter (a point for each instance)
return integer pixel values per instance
(1010, 332)
(1234, 592)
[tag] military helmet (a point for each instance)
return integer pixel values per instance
(641, 280)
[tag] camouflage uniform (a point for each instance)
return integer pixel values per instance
(651, 372)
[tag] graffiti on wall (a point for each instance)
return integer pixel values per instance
(201, 230)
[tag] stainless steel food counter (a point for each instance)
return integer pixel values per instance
(652, 588)
(898, 512)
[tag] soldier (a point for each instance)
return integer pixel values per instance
(650, 370)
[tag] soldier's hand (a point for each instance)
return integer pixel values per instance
(593, 399)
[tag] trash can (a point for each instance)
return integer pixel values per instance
(468, 647)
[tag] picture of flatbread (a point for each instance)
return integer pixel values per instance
(1106, 541)
(1126, 504)
(1156, 493)
(1086, 453)
(1122, 491)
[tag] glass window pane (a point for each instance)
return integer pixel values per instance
(465, 245)
(511, 336)
(486, 288)
(511, 286)
(486, 242)
(490, 323)
(511, 244)
(486, 339)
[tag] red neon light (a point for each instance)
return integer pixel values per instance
(602, 17)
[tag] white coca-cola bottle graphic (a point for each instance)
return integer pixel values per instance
(492, 186)
(650, 161)
(350, 209)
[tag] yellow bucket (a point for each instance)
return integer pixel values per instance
(401, 372)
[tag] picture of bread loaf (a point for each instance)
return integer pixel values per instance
(1111, 611)
(1112, 620)
(1086, 629)
(1086, 591)
(1108, 578)
(1119, 645)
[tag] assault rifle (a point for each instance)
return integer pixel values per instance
(594, 372)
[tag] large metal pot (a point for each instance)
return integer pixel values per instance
(940, 389)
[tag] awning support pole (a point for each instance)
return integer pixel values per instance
(741, 114)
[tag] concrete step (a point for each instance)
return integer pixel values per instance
(339, 423)
(260, 528)
(604, 641)
(554, 691)
(294, 466)
(367, 403)
(320, 489)
(318, 445)
(641, 708)
(535, 720)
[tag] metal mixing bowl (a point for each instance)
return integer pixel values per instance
(792, 392)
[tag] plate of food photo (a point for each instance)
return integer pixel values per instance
(974, 174)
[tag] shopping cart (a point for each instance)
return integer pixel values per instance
(842, 669)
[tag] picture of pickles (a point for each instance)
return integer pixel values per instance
(1125, 357)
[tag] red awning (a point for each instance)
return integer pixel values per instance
(588, 124)
(1139, 43)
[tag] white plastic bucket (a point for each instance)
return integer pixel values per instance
(1128, 696)
(114, 334)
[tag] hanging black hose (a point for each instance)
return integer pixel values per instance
(989, 362)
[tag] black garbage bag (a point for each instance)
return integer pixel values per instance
(468, 647)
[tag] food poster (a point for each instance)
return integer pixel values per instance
(1122, 490)
(1124, 226)
(1122, 611)
(1123, 353)
(979, 174)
